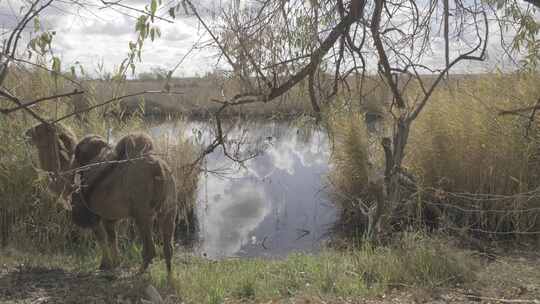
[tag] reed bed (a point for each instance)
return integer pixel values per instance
(479, 170)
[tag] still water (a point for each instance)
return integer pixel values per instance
(270, 205)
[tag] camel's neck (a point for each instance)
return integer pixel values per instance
(54, 159)
(99, 168)
(58, 164)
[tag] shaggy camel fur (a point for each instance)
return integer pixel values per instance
(115, 186)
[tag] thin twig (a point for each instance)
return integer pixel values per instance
(117, 3)
(36, 101)
(19, 103)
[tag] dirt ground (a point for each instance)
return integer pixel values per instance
(22, 284)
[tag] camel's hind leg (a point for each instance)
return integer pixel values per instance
(101, 236)
(167, 223)
(144, 225)
(112, 239)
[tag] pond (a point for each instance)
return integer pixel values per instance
(270, 205)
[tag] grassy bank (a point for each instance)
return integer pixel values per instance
(414, 269)
(349, 274)
(478, 170)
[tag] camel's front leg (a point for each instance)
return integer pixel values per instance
(112, 240)
(144, 225)
(101, 237)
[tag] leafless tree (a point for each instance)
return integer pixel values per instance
(274, 45)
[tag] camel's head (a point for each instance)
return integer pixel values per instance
(134, 145)
(55, 145)
(89, 148)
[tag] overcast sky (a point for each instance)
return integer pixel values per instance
(93, 35)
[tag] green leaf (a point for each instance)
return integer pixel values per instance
(32, 44)
(153, 9)
(36, 24)
(141, 23)
(46, 38)
(56, 64)
(122, 66)
(142, 105)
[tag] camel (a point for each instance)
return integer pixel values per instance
(56, 148)
(126, 181)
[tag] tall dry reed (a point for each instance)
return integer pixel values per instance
(478, 169)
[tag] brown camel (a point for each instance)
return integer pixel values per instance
(56, 147)
(127, 181)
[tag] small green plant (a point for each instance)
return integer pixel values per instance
(215, 296)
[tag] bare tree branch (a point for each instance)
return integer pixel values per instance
(16, 100)
(36, 101)
(119, 4)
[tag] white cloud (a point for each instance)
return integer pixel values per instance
(92, 34)
(233, 212)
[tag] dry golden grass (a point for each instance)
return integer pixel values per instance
(460, 144)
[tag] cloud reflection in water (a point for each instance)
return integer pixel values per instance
(274, 199)
(232, 213)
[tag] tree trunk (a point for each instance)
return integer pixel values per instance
(376, 173)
